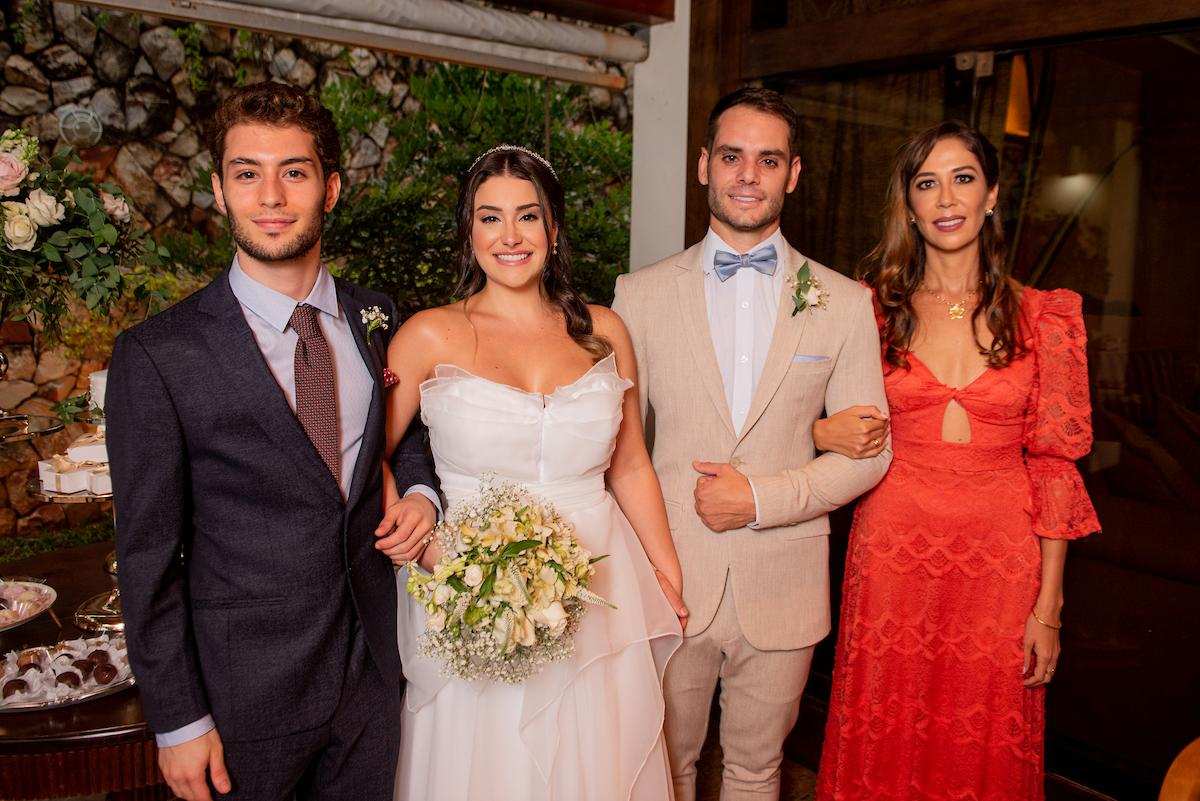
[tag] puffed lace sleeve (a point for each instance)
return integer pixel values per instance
(1058, 426)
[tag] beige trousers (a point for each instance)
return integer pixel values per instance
(760, 700)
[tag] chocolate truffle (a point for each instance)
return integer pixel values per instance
(104, 673)
(99, 656)
(28, 666)
(32, 656)
(14, 686)
(84, 667)
(69, 678)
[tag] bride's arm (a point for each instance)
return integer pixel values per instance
(631, 477)
(407, 521)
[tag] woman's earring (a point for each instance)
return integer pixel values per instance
(554, 249)
(912, 220)
(990, 212)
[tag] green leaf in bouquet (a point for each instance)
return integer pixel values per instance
(596, 559)
(51, 253)
(457, 584)
(474, 615)
(109, 234)
(60, 239)
(485, 589)
(97, 220)
(516, 548)
(78, 251)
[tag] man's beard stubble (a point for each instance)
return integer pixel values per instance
(304, 241)
(770, 215)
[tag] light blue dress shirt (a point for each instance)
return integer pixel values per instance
(269, 314)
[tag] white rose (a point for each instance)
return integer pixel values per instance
(69, 198)
(436, 621)
(19, 231)
(44, 209)
(813, 296)
(441, 594)
(474, 576)
(12, 172)
(556, 618)
(523, 632)
(115, 207)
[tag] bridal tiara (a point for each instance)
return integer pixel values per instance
(524, 150)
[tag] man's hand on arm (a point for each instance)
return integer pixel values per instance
(187, 766)
(724, 498)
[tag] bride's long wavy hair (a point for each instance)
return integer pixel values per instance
(895, 269)
(556, 283)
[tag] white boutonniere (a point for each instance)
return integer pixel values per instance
(374, 318)
(806, 290)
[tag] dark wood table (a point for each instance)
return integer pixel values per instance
(99, 746)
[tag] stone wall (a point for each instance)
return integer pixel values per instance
(151, 83)
(36, 381)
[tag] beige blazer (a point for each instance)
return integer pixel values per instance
(779, 572)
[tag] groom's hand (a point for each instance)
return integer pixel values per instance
(404, 528)
(184, 767)
(724, 498)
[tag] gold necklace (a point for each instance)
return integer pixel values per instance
(955, 309)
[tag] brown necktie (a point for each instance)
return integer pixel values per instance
(316, 394)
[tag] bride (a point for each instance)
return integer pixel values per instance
(524, 381)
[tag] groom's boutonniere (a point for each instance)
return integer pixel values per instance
(374, 318)
(807, 290)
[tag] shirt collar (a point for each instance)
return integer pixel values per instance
(713, 242)
(275, 308)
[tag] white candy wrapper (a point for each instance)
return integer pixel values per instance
(43, 684)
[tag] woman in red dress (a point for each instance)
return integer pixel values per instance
(950, 613)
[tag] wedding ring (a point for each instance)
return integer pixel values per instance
(875, 443)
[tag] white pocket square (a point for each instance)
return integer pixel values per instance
(801, 358)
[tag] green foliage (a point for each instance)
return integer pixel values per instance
(91, 254)
(192, 37)
(16, 548)
(396, 234)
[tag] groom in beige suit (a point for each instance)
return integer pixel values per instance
(732, 373)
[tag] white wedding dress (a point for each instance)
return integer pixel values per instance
(585, 729)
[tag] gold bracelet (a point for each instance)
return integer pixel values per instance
(1044, 623)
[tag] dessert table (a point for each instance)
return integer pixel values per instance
(99, 746)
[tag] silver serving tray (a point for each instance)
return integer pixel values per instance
(37, 609)
(8, 705)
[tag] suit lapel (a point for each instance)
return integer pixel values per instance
(694, 308)
(784, 341)
(229, 335)
(368, 451)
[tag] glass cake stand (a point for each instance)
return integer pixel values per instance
(103, 612)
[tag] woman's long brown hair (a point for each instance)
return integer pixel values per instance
(556, 273)
(895, 269)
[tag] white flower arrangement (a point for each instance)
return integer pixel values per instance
(507, 595)
(374, 318)
(65, 237)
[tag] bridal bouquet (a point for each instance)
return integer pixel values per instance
(509, 591)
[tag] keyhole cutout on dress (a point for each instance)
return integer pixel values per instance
(956, 423)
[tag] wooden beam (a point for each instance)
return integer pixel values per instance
(238, 15)
(718, 32)
(608, 12)
(942, 27)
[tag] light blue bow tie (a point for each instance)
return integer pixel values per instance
(764, 260)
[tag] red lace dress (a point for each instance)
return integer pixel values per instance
(943, 570)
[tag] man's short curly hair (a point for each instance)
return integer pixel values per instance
(281, 106)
